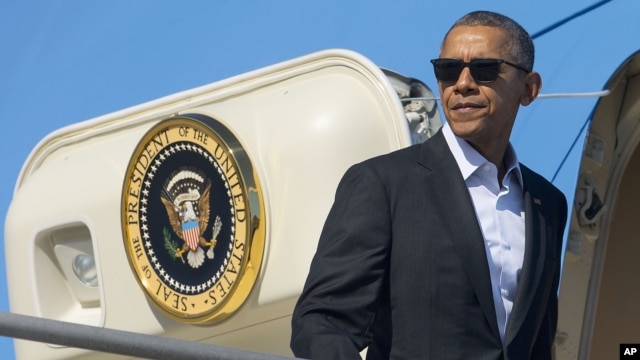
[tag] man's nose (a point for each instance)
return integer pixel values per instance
(465, 81)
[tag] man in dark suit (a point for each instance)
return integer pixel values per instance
(449, 249)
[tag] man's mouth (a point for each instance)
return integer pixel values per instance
(466, 106)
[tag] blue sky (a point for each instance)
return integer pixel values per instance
(67, 61)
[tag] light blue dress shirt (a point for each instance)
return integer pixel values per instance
(500, 212)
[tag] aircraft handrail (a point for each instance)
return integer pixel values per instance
(541, 96)
(117, 341)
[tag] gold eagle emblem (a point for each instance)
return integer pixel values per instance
(191, 227)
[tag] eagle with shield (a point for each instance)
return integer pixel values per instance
(189, 212)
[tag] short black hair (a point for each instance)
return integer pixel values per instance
(521, 47)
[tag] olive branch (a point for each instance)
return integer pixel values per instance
(169, 244)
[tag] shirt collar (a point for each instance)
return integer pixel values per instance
(469, 159)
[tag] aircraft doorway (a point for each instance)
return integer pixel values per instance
(617, 311)
(599, 292)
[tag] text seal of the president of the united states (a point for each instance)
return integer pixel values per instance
(192, 218)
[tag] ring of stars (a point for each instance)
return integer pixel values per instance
(168, 279)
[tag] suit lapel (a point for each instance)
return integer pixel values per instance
(446, 186)
(534, 257)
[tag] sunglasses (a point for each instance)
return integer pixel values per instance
(482, 70)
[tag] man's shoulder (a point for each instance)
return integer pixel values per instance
(405, 154)
(532, 176)
(413, 153)
(385, 167)
(534, 179)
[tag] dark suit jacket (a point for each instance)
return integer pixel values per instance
(401, 267)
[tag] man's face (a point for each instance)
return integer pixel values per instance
(483, 113)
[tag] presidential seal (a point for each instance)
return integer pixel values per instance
(192, 219)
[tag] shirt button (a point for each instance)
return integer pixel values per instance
(506, 246)
(505, 292)
(486, 167)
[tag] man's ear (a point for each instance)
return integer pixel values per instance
(533, 84)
